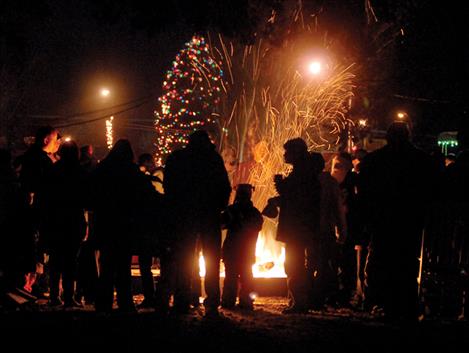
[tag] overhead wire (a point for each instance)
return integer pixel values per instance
(100, 117)
(91, 112)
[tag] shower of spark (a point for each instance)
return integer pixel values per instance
(109, 133)
(269, 102)
(264, 100)
(316, 112)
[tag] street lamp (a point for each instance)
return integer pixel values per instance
(401, 115)
(314, 68)
(105, 92)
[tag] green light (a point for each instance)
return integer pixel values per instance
(448, 143)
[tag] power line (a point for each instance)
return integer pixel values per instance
(77, 115)
(99, 118)
(422, 99)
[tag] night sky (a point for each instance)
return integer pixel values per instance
(55, 55)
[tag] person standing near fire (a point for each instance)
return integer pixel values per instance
(197, 189)
(299, 200)
(243, 221)
(323, 253)
(399, 185)
(120, 197)
(342, 171)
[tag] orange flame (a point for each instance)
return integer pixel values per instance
(270, 259)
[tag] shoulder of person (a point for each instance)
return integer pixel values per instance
(256, 211)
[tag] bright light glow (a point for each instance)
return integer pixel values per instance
(268, 263)
(67, 139)
(109, 137)
(312, 108)
(362, 123)
(253, 295)
(401, 115)
(315, 67)
(105, 92)
(201, 265)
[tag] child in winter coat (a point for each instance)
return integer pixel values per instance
(243, 221)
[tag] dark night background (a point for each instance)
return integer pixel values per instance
(55, 55)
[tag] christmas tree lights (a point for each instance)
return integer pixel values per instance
(192, 90)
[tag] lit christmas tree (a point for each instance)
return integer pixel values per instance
(191, 92)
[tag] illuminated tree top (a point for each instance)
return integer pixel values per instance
(191, 92)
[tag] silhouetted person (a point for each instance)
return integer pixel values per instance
(17, 245)
(299, 199)
(323, 249)
(358, 231)
(36, 164)
(146, 248)
(88, 160)
(398, 183)
(87, 270)
(197, 188)
(63, 222)
(341, 170)
(457, 180)
(118, 189)
(38, 160)
(243, 222)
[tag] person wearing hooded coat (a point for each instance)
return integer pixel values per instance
(119, 191)
(197, 189)
(64, 224)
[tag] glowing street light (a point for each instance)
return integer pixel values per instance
(314, 68)
(362, 123)
(401, 115)
(105, 92)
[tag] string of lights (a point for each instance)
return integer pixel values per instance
(192, 89)
(109, 133)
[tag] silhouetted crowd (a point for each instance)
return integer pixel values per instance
(378, 231)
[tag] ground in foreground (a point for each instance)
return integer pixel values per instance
(265, 329)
